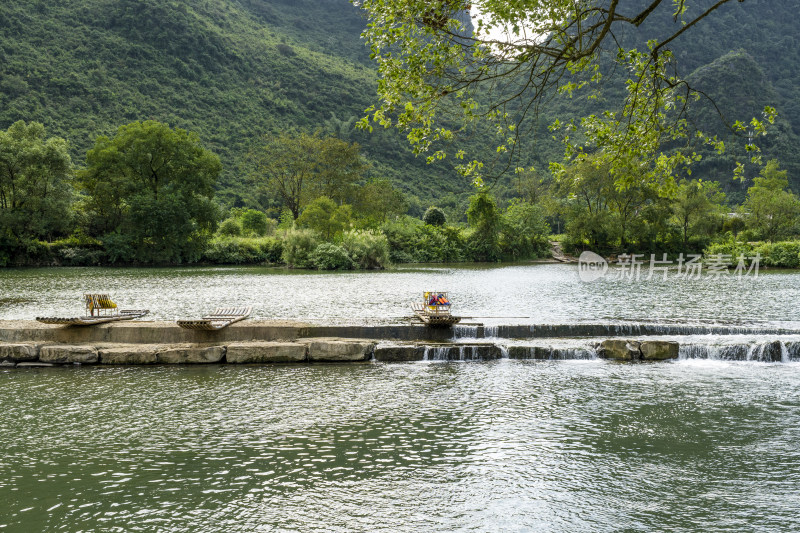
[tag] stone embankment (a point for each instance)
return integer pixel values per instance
(299, 351)
(303, 351)
(631, 350)
(149, 343)
(144, 332)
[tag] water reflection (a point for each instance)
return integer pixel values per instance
(578, 446)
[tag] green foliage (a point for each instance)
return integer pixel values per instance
(785, 254)
(442, 244)
(602, 216)
(436, 84)
(215, 68)
(730, 247)
(524, 232)
(149, 193)
(244, 250)
(412, 241)
(230, 227)
(201, 67)
(286, 220)
(377, 201)
(256, 223)
(484, 218)
(76, 251)
(697, 209)
(434, 216)
(401, 234)
(300, 168)
(35, 186)
(771, 211)
(325, 217)
(734, 223)
(780, 254)
(328, 256)
(298, 245)
(367, 249)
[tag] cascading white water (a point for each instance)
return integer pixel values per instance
(465, 332)
(710, 348)
(697, 351)
(650, 329)
(773, 351)
(435, 353)
(755, 351)
(490, 331)
(576, 353)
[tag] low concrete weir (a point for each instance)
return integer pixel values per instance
(610, 330)
(364, 350)
(26, 344)
(142, 332)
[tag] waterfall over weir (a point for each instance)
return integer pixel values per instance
(581, 341)
(757, 350)
(609, 330)
(464, 352)
(776, 351)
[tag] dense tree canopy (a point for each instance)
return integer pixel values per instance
(149, 192)
(484, 218)
(697, 208)
(35, 184)
(325, 217)
(378, 200)
(771, 210)
(299, 168)
(434, 216)
(438, 76)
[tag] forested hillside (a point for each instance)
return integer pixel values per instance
(231, 71)
(234, 70)
(744, 57)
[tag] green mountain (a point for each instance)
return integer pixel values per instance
(743, 57)
(235, 70)
(230, 70)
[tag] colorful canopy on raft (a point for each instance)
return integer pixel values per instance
(436, 298)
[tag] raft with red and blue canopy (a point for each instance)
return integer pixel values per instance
(435, 309)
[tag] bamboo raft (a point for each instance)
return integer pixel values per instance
(222, 317)
(100, 309)
(435, 310)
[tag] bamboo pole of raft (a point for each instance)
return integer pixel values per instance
(495, 317)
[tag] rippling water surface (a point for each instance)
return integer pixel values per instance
(500, 446)
(539, 293)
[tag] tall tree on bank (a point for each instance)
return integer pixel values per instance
(485, 220)
(771, 210)
(697, 209)
(600, 214)
(149, 193)
(298, 169)
(35, 185)
(436, 72)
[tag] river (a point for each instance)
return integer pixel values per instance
(487, 446)
(531, 293)
(574, 445)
